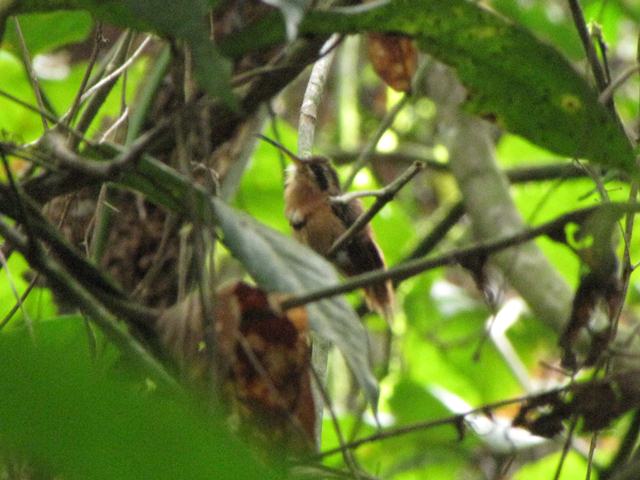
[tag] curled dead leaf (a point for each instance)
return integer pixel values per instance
(262, 357)
(595, 293)
(597, 403)
(394, 58)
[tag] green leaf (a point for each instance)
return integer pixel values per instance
(48, 31)
(520, 82)
(527, 86)
(281, 264)
(67, 419)
(412, 402)
(560, 31)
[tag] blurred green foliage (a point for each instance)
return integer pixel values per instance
(65, 416)
(66, 405)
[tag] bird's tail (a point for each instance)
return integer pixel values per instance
(363, 255)
(381, 299)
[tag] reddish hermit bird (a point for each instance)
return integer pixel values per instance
(318, 221)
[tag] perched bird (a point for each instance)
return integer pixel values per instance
(318, 221)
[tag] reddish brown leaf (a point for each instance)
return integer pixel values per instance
(394, 58)
(262, 357)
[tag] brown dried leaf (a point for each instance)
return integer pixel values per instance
(262, 357)
(593, 292)
(394, 58)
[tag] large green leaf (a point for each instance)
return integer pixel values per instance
(527, 86)
(47, 31)
(59, 412)
(523, 84)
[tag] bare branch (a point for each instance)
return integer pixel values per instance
(384, 196)
(33, 78)
(415, 267)
(420, 426)
(111, 77)
(607, 94)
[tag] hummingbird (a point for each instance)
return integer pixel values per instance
(318, 220)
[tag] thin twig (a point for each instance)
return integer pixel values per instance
(159, 257)
(607, 93)
(566, 447)
(596, 33)
(592, 450)
(386, 122)
(117, 124)
(87, 74)
(117, 72)
(75, 133)
(26, 60)
(19, 299)
(452, 419)
(347, 197)
(370, 148)
(621, 457)
(99, 97)
(346, 453)
(522, 174)
(587, 44)
(438, 232)
(276, 133)
(384, 196)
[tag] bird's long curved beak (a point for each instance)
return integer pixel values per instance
(294, 158)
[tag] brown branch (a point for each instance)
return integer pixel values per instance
(533, 173)
(438, 232)
(587, 44)
(415, 267)
(104, 170)
(453, 419)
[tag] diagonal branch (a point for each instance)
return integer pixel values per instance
(415, 267)
(383, 196)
